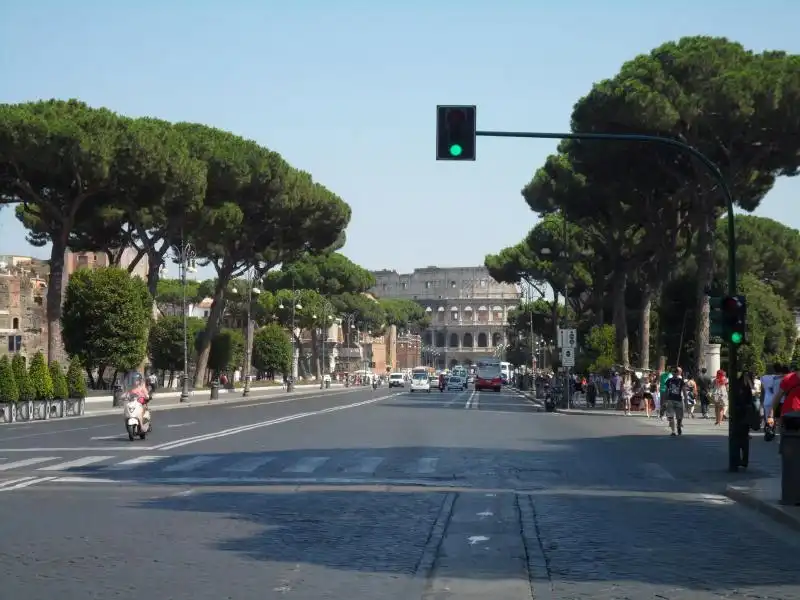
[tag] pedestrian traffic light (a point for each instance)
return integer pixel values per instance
(734, 315)
(455, 132)
(716, 327)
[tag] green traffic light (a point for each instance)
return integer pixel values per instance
(456, 150)
(736, 337)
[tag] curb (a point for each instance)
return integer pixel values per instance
(776, 512)
(535, 401)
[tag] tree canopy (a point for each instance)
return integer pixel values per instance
(639, 221)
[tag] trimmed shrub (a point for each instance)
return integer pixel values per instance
(60, 387)
(26, 391)
(8, 384)
(76, 382)
(40, 378)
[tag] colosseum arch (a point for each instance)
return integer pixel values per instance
(453, 362)
(482, 340)
(427, 338)
(469, 341)
(453, 340)
(440, 339)
(497, 339)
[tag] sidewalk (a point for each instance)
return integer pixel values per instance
(103, 405)
(764, 496)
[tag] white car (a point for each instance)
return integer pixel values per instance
(456, 383)
(397, 380)
(420, 383)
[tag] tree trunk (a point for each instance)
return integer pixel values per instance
(644, 327)
(619, 284)
(153, 272)
(705, 266)
(556, 324)
(55, 285)
(212, 325)
(316, 360)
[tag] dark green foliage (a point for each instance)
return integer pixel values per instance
(76, 381)
(8, 383)
(26, 391)
(60, 385)
(272, 350)
(40, 378)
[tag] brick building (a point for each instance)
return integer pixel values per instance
(23, 291)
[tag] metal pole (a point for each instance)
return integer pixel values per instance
(186, 254)
(249, 338)
(738, 435)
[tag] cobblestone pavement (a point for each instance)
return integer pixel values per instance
(518, 504)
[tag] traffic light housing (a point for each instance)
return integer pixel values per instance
(716, 327)
(734, 317)
(456, 128)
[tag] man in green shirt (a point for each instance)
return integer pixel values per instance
(662, 391)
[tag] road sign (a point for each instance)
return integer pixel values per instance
(568, 357)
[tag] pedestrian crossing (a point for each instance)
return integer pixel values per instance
(285, 464)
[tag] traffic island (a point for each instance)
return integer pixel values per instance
(764, 496)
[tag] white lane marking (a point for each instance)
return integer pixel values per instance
(31, 481)
(656, 471)
(108, 437)
(43, 433)
(182, 424)
(132, 463)
(367, 464)
(236, 430)
(78, 462)
(360, 481)
(27, 462)
(248, 465)
(12, 482)
(128, 448)
(427, 465)
(485, 513)
(470, 401)
(308, 464)
(474, 539)
(190, 464)
(293, 399)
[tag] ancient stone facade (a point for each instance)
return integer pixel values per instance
(468, 310)
(23, 290)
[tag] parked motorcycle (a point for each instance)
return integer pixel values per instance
(135, 409)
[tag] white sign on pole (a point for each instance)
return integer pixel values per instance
(568, 357)
(570, 338)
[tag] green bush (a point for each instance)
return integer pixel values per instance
(8, 384)
(60, 387)
(40, 378)
(76, 382)
(26, 391)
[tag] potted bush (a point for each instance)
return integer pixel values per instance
(9, 393)
(42, 387)
(76, 389)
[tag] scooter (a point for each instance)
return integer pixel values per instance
(137, 417)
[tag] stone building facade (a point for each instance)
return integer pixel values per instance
(468, 310)
(23, 291)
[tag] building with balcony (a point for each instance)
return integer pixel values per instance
(468, 309)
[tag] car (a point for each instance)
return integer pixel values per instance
(456, 383)
(397, 380)
(420, 383)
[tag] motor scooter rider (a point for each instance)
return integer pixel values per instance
(140, 390)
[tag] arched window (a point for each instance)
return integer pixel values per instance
(497, 339)
(468, 341)
(453, 340)
(482, 341)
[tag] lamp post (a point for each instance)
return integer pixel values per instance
(248, 354)
(187, 263)
(349, 322)
(295, 307)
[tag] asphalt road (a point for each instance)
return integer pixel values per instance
(363, 494)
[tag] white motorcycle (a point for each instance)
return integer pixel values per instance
(137, 414)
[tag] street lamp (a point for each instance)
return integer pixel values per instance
(248, 354)
(295, 307)
(187, 263)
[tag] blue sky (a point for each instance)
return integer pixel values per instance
(347, 90)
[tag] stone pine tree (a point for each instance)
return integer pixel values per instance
(40, 378)
(76, 382)
(26, 391)
(60, 387)
(8, 385)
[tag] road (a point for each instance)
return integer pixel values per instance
(364, 494)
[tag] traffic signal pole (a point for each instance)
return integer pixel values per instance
(738, 428)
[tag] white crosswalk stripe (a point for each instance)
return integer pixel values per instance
(260, 465)
(28, 462)
(308, 464)
(190, 464)
(84, 461)
(365, 465)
